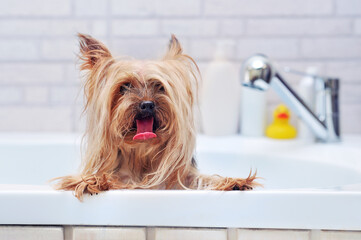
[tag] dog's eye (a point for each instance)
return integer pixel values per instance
(125, 87)
(160, 87)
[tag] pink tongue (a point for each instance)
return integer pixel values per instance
(144, 129)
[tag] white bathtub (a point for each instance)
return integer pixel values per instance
(307, 186)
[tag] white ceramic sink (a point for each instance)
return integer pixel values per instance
(284, 164)
(306, 186)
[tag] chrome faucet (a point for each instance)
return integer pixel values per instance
(259, 73)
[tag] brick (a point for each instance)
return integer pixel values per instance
(190, 27)
(267, 8)
(36, 8)
(272, 234)
(10, 95)
(99, 28)
(350, 93)
(31, 233)
(190, 234)
(100, 233)
(36, 95)
(178, 8)
(65, 95)
(134, 27)
(231, 27)
(59, 49)
(348, 7)
(357, 26)
(28, 118)
(298, 27)
(18, 50)
(274, 48)
(30, 73)
(79, 119)
(331, 48)
(42, 27)
(140, 48)
(205, 49)
(90, 8)
(350, 119)
(347, 71)
(72, 74)
(133, 8)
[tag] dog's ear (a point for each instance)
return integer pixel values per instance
(91, 51)
(175, 49)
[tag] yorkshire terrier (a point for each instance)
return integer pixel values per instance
(140, 131)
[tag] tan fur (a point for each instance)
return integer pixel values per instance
(113, 160)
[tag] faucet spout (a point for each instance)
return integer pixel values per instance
(260, 74)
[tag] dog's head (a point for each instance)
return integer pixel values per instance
(136, 102)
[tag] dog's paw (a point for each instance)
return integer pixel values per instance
(239, 187)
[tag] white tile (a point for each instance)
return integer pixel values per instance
(204, 49)
(275, 48)
(340, 235)
(42, 28)
(134, 27)
(348, 7)
(145, 48)
(299, 27)
(132, 8)
(344, 47)
(232, 27)
(190, 234)
(350, 117)
(104, 233)
(357, 26)
(90, 7)
(245, 234)
(26, 118)
(36, 8)
(347, 70)
(36, 94)
(178, 8)
(10, 95)
(99, 28)
(30, 73)
(14, 49)
(65, 95)
(267, 8)
(79, 118)
(60, 49)
(192, 27)
(31, 233)
(350, 93)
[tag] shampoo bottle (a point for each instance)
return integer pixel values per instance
(220, 94)
(253, 112)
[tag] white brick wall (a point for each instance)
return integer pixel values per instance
(39, 81)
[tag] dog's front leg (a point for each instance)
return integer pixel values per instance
(92, 184)
(216, 182)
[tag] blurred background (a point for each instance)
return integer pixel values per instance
(39, 80)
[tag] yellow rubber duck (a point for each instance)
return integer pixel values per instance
(280, 128)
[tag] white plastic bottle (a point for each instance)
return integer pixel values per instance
(253, 112)
(306, 90)
(219, 102)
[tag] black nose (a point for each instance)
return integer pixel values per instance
(146, 106)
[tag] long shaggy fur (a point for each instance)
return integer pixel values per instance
(113, 89)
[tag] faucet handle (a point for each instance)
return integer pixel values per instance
(311, 73)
